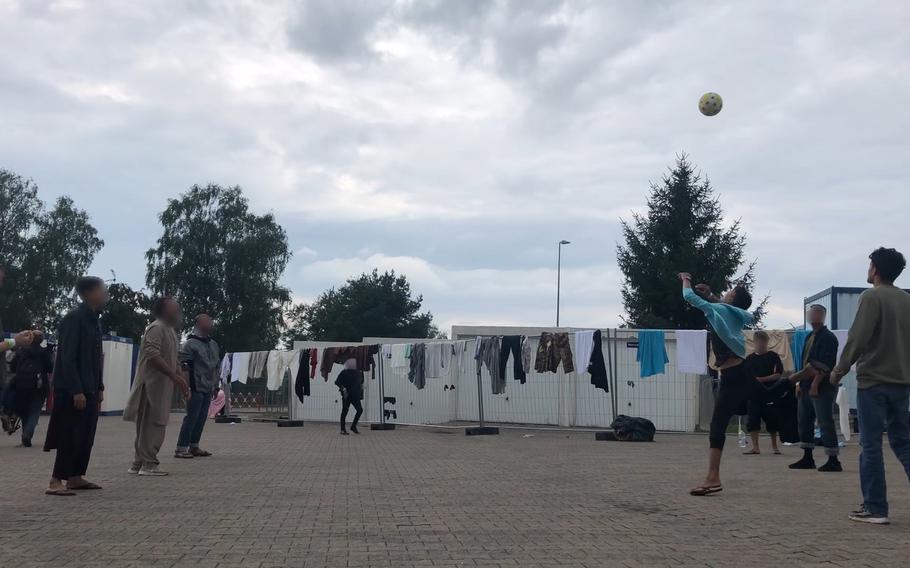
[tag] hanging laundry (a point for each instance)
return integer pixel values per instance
(692, 351)
(526, 354)
(487, 353)
(797, 343)
(398, 359)
(554, 349)
(226, 368)
(511, 344)
(584, 344)
(314, 362)
(436, 355)
(258, 362)
(279, 363)
(457, 359)
(240, 366)
(301, 377)
(652, 352)
(778, 341)
(598, 367)
(362, 354)
(417, 373)
(841, 335)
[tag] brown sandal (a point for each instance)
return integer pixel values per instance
(703, 491)
(62, 492)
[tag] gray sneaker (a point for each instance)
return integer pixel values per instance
(151, 471)
(134, 469)
(869, 518)
(183, 454)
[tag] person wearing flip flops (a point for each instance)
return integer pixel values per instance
(726, 317)
(78, 390)
(768, 369)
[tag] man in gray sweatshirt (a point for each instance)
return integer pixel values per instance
(200, 358)
(878, 344)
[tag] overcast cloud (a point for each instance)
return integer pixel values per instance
(458, 141)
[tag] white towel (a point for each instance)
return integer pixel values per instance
(691, 356)
(240, 368)
(841, 335)
(584, 346)
(398, 359)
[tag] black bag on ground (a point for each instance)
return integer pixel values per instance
(633, 429)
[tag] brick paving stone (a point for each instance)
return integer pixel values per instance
(275, 497)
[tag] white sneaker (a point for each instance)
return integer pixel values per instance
(133, 470)
(869, 518)
(152, 471)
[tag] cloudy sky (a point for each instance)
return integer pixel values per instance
(458, 141)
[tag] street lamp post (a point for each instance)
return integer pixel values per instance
(558, 275)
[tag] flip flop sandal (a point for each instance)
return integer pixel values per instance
(751, 453)
(705, 491)
(85, 487)
(778, 453)
(59, 492)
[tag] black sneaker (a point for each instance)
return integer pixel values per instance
(803, 464)
(870, 518)
(355, 430)
(26, 443)
(832, 465)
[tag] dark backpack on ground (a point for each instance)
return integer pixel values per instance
(633, 429)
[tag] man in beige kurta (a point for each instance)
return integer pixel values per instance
(157, 373)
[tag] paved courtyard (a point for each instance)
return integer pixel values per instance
(276, 497)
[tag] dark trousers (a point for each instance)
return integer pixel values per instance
(881, 407)
(347, 403)
(737, 386)
(197, 412)
(29, 406)
(761, 408)
(819, 409)
(72, 433)
(511, 343)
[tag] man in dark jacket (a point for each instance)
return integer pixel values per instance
(817, 393)
(78, 390)
(31, 367)
(350, 383)
(200, 359)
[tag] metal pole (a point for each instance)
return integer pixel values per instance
(381, 387)
(480, 398)
(558, 278)
(611, 378)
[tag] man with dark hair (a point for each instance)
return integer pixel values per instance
(816, 393)
(727, 317)
(157, 372)
(78, 390)
(767, 368)
(878, 345)
(200, 360)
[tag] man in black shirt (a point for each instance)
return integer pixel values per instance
(767, 368)
(350, 383)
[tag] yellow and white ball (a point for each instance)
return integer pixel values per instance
(710, 104)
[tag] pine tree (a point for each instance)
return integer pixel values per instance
(683, 230)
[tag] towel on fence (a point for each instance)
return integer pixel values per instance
(399, 360)
(278, 364)
(652, 352)
(436, 359)
(226, 368)
(796, 346)
(258, 362)
(584, 346)
(240, 366)
(841, 335)
(692, 351)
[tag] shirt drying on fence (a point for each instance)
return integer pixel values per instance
(363, 354)
(314, 361)
(692, 351)
(399, 360)
(302, 377)
(727, 323)
(436, 359)
(417, 372)
(526, 354)
(598, 367)
(258, 363)
(584, 346)
(240, 366)
(278, 364)
(226, 368)
(652, 352)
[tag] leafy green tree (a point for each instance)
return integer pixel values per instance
(683, 230)
(217, 257)
(127, 313)
(371, 305)
(44, 252)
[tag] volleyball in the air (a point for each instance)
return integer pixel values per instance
(710, 104)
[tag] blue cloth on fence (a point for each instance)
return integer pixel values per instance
(652, 352)
(798, 342)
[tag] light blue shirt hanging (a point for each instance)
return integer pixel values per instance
(797, 344)
(727, 321)
(652, 352)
